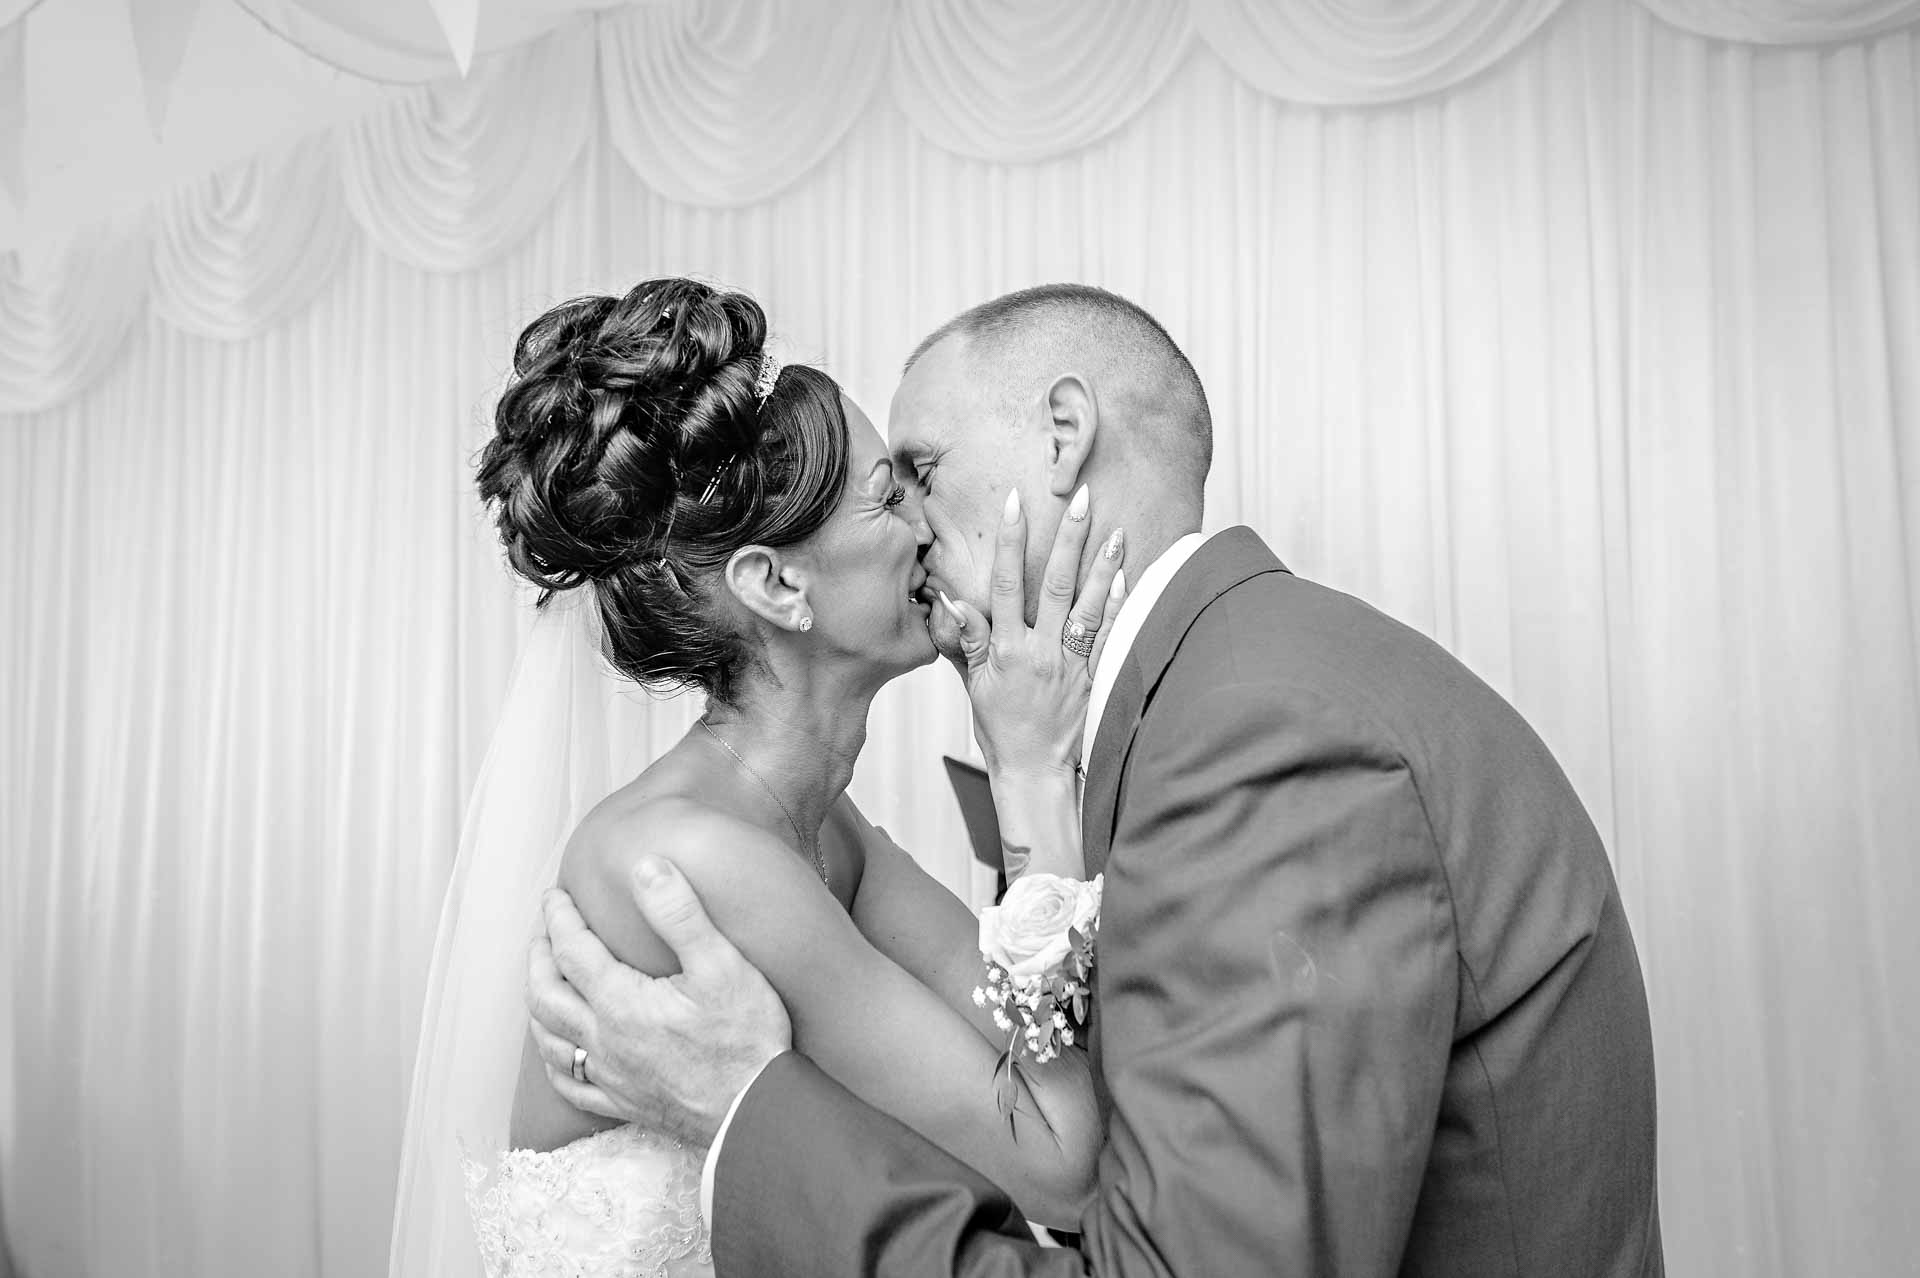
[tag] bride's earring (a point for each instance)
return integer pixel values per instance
(806, 623)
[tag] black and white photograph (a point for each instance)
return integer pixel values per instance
(976, 638)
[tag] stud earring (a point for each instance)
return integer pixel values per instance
(806, 624)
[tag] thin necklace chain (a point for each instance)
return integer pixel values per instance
(819, 862)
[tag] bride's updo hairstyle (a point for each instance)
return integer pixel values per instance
(632, 454)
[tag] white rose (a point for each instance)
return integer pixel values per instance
(1027, 932)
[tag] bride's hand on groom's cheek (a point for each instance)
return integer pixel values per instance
(666, 1054)
(1028, 684)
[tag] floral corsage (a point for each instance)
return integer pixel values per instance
(1038, 946)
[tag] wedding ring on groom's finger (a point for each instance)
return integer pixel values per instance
(579, 1069)
(1077, 639)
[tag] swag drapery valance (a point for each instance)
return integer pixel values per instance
(716, 104)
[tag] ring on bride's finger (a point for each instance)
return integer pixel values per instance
(1077, 639)
(579, 1068)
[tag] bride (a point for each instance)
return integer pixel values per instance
(735, 527)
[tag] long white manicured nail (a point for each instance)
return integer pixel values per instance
(1077, 509)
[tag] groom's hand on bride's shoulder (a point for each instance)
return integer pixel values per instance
(667, 1054)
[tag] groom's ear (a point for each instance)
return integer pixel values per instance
(769, 584)
(1073, 419)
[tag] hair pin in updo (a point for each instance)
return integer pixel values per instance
(706, 495)
(762, 387)
(713, 484)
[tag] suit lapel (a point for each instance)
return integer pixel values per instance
(1110, 740)
(1217, 567)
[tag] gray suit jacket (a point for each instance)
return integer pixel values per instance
(1367, 1002)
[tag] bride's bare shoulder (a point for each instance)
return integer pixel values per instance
(736, 867)
(662, 822)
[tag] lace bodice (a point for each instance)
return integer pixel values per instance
(620, 1203)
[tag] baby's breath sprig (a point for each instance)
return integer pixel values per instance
(1041, 1014)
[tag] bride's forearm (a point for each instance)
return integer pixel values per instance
(1050, 1154)
(1058, 1156)
(1039, 816)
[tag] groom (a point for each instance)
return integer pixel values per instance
(1367, 1001)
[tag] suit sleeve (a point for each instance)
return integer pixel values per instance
(1276, 991)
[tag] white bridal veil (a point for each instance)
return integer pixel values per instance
(549, 762)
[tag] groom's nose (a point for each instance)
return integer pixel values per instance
(930, 557)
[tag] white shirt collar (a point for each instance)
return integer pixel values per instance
(1142, 595)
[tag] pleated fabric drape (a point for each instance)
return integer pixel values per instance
(711, 102)
(1595, 362)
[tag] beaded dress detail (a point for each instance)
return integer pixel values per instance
(621, 1203)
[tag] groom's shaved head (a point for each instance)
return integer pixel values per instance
(1020, 342)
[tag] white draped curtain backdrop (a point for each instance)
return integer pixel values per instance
(1580, 335)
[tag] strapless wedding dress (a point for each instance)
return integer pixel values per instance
(621, 1203)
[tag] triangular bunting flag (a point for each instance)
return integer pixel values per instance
(460, 23)
(161, 31)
